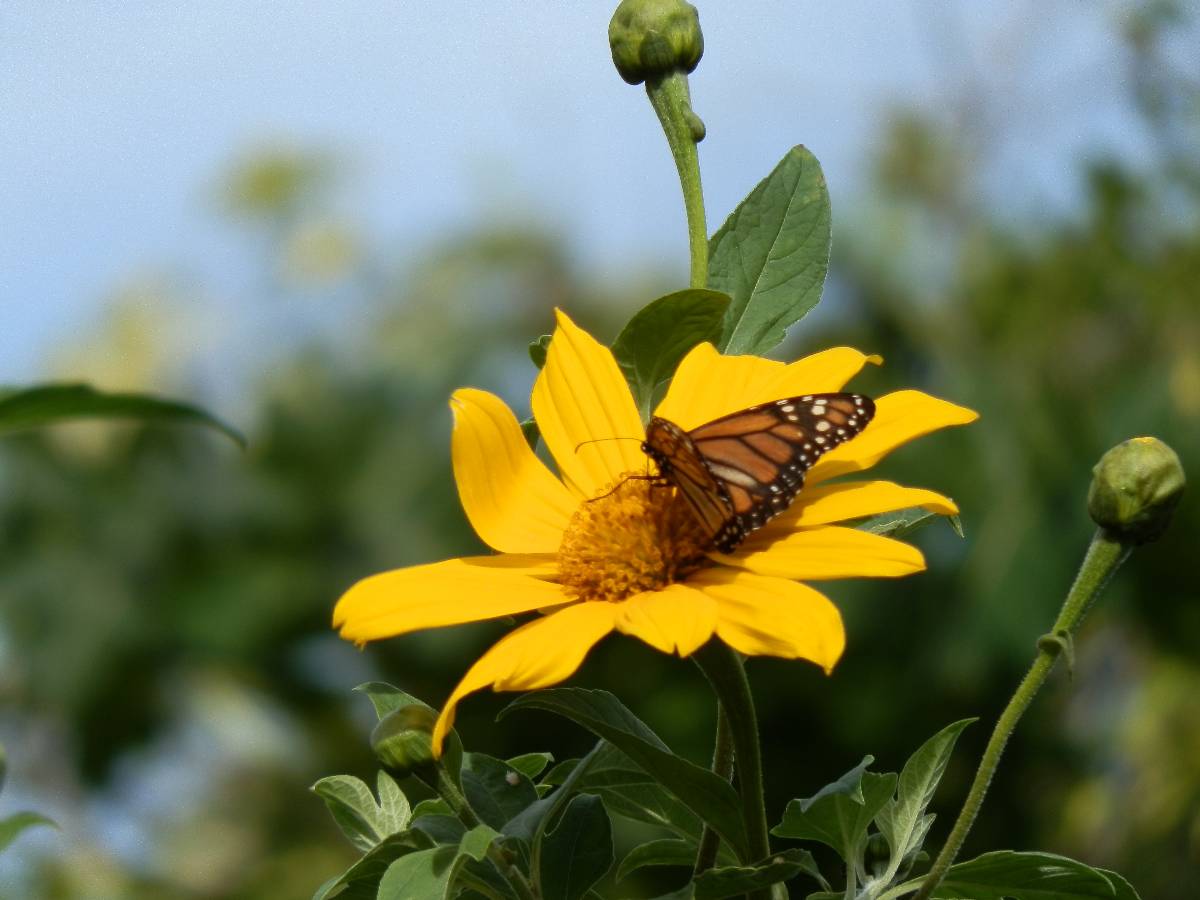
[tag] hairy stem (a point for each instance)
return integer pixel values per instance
(722, 766)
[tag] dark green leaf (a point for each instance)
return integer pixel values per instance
(905, 521)
(707, 795)
(1124, 890)
(716, 884)
(50, 404)
(1008, 875)
(649, 348)
(849, 784)
(530, 824)
(839, 819)
(530, 429)
(361, 880)
(361, 819)
(901, 821)
(495, 790)
(772, 254)
(577, 853)
(441, 829)
(664, 852)
(12, 827)
(538, 350)
(429, 874)
(531, 765)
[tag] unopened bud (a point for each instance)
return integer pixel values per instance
(402, 741)
(1135, 488)
(654, 38)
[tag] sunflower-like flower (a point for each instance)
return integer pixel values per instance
(594, 551)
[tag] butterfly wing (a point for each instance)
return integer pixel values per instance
(679, 463)
(758, 457)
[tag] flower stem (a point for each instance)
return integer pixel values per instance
(504, 860)
(672, 102)
(722, 766)
(1103, 557)
(723, 668)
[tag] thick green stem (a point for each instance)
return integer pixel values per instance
(723, 668)
(457, 802)
(722, 766)
(672, 102)
(1103, 557)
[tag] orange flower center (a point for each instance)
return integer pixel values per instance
(637, 536)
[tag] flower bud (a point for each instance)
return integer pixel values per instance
(651, 39)
(402, 740)
(1135, 488)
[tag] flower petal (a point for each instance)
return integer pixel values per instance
(708, 385)
(446, 593)
(536, 655)
(581, 395)
(677, 619)
(899, 418)
(853, 500)
(826, 551)
(762, 616)
(512, 500)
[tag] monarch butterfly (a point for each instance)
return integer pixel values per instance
(741, 470)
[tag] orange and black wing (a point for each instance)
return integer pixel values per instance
(679, 463)
(757, 458)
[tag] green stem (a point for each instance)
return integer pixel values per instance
(722, 766)
(672, 102)
(1103, 557)
(723, 668)
(504, 860)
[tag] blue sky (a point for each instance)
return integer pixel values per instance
(118, 118)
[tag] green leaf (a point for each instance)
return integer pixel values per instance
(387, 698)
(649, 348)
(839, 818)
(495, 790)
(538, 350)
(901, 821)
(429, 874)
(361, 880)
(531, 765)
(663, 852)
(13, 826)
(1009, 875)
(1124, 890)
(772, 254)
(707, 795)
(905, 521)
(529, 428)
(50, 404)
(716, 884)
(577, 853)
(361, 819)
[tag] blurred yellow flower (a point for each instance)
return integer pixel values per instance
(632, 560)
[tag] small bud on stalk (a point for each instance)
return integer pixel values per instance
(402, 740)
(651, 39)
(1135, 488)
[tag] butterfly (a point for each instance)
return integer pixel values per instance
(741, 470)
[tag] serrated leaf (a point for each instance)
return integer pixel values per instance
(51, 404)
(361, 819)
(15, 825)
(650, 346)
(839, 819)
(577, 853)
(429, 874)
(716, 884)
(531, 765)
(707, 795)
(663, 852)
(900, 820)
(772, 254)
(495, 790)
(1009, 875)
(538, 350)
(905, 521)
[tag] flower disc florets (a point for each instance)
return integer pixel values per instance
(634, 537)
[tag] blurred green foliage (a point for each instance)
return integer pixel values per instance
(165, 621)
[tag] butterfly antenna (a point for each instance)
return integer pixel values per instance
(597, 440)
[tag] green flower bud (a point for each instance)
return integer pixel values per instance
(402, 739)
(652, 39)
(1135, 488)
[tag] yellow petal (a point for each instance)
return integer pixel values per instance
(538, 654)
(446, 593)
(853, 500)
(899, 418)
(512, 500)
(581, 395)
(826, 551)
(762, 616)
(677, 619)
(708, 385)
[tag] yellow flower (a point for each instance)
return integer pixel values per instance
(593, 559)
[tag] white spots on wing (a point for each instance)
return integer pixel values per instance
(732, 475)
(823, 425)
(819, 439)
